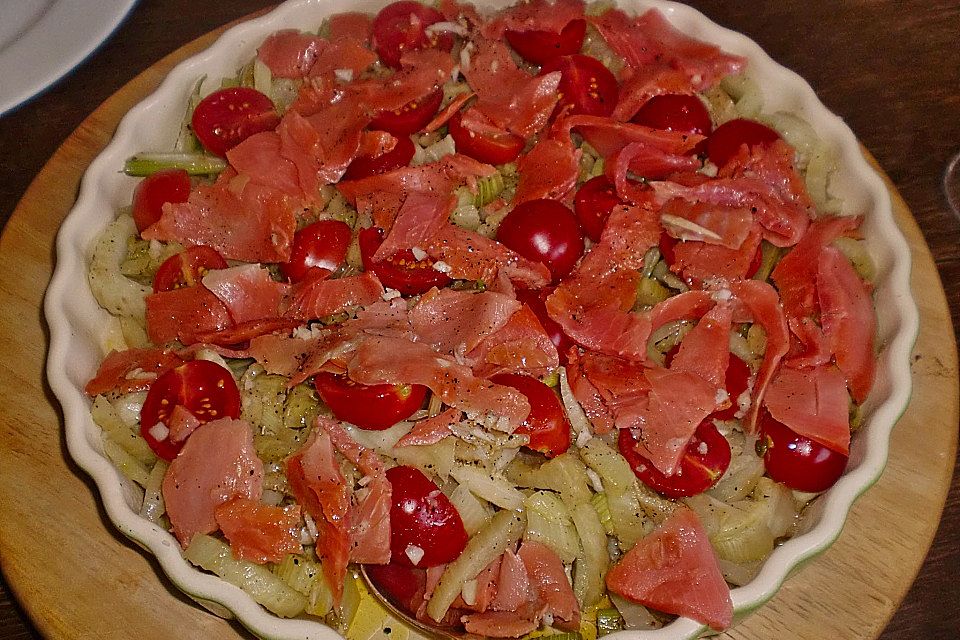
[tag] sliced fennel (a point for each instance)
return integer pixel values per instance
(488, 544)
(262, 585)
(196, 164)
(549, 523)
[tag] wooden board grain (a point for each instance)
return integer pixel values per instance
(77, 578)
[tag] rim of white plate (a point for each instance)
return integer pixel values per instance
(79, 328)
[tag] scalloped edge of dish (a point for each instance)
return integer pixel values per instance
(78, 325)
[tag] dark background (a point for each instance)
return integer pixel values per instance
(890, 68)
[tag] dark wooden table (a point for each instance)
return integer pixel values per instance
(890, 68)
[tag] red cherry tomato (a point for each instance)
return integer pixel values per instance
(586, 86)
(187, 268)
(547, 423)
(666, 245)
(706, 459)
(797, 461)
(401, 27)
(545, 231)
(321, 245)
(536, 301)
(374, 407)
(675, 112)
(401, 271)
(736, 381)
(411, 117)
(755, 263)
(724, 143)
(168, 185)
(593, 203)
(203, 388)
(365, 166)
(540, 47)
(227, 117)
(491, 148)
(422, 517)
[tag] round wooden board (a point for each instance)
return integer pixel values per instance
(78, 578)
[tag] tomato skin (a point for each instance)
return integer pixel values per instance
(725, 142)
(547, 423)
(321, 245)
(675, 112)
(698, 470)
(422, 516)
(736, 380)
(796, 461)
(593, 204)
(167, 185)
(483, 147)
(539, 47)
(401, 271)
(536, 300)
(586, 86)
(204, 388)
(411, 117)
(187, 268)
(545, 231)
(366, 166)
(373, 407)
(227, 117)
(666, 245)
(401, 26)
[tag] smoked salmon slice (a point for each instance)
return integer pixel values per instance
(260, 532)
(217, 464)
(313, 474)
(674, 570)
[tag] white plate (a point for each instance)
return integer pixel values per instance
(43, 40)
(78, 326)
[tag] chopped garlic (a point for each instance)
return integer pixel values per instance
(415, 553)
(159, 431)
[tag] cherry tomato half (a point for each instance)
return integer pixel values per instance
(796, 461)
(321, 245)
(422, 517)
(411, 117)
(401, 27)
(736, 382)
(724, 143)
(227, 117)
(540, 47)
(593, 203)
(365, 166)
(675, 112)
(666, 244)
(547, 423)
(168, 185)
(544, 231)
(706, 459)
(492, 148)
(374, 407)
(203, 388)
(586, 86)
(536, 300)
(187, 268)
(401, 271)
